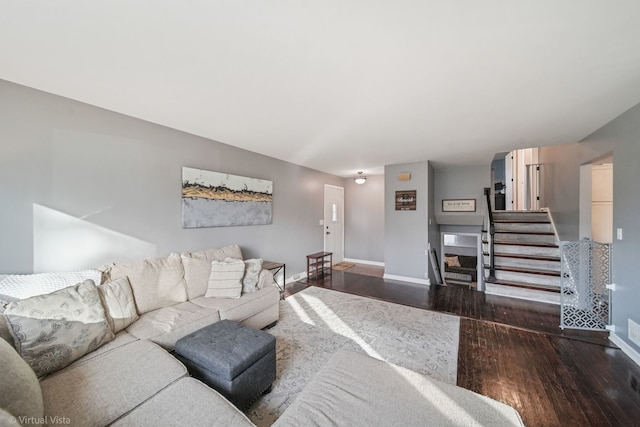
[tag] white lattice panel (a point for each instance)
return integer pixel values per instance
(585, 274)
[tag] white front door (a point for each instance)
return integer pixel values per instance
(333, 227)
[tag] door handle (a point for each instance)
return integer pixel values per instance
(328, 232)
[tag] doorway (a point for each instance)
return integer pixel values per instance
(596, 201)
(462, 259)
(522, 176)
(333, 223)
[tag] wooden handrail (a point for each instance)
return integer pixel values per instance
(492, 233)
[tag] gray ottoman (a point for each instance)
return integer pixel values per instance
(237, 361)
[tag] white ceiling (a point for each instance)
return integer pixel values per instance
(339, 85)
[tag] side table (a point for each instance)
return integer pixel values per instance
(319, 265)
(275, 268)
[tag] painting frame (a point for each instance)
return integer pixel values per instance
(406, 200)
(458, 205)
(217, 199)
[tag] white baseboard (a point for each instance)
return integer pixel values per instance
(626, 348)
(364, 261)
(296, 277)
(407, 279)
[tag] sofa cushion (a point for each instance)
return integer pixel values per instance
(120, 307)
(121, 339)
(252, 269)
(197, 267)
(21, 395)
(205, 408)
(6, 419)
(355, 389)
(156, 283)
(218, 254)
(242, 308)
(5, 334)
(167, 325)
(196, 274)
(97, 391)
(51, 331)
(225, 280)
(20, 286)
(265, 279)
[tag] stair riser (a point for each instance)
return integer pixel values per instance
(526, 250)
(521, 293)
(524, 238)
(532, 279)
(524, 227)
(521, 216)
(525, 263)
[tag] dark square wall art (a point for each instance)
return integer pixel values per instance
(214, 199)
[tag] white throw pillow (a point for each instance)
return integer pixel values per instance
(251, 275)
(119, 305)
(20, 286)
(197, 267)
(225, 280)
(51, 331)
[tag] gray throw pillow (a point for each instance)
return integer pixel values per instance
(51, 331)
(251, 275)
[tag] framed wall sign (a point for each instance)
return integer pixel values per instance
(406, 200)
(459, 205)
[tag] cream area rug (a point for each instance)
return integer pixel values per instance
(317, 322)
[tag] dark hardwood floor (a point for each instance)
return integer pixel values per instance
(515, 352)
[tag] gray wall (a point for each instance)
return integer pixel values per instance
(562, 169)
(405, 232)
(561, 164)
(64, 162)
(461, 182)
(364, 219)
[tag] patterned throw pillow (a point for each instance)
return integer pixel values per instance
(452, 261)
(225, 280)
(51, 331)
(252, 270)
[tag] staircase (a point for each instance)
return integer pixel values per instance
(526, 257)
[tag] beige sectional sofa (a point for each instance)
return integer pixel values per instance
(133, 380)
(170, 297)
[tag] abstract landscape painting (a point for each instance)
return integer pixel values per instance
(213, 199)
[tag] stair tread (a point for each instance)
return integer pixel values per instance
(524, 256)
(546, 288)
(518, 212)
(537, 271)
(537, 244)
(521, 221)
(537, 233)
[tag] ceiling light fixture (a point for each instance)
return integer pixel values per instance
(360, 179)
